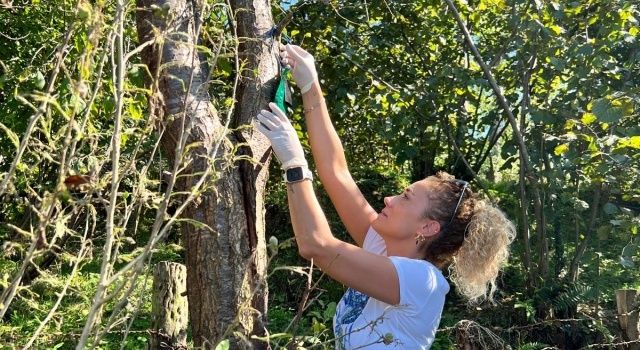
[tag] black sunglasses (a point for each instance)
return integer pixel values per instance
(464, 185)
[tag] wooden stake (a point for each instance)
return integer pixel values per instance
(628, 315)
(169, 308)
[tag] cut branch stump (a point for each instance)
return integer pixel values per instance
(169, 307)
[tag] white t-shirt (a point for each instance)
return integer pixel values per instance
(362, 322)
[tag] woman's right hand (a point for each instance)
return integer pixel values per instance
(302, 65)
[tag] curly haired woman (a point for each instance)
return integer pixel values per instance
(396, 289)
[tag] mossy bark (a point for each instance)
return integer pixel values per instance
(169, 307)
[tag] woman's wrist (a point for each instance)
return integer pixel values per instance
(315, 90)
(306, 110)
(312, 99)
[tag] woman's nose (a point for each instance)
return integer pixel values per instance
(387, 201)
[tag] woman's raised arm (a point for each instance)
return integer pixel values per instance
(346, 263)
(354, 210)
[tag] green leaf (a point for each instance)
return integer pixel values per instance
(330, 310)
(541, 117)
(558, 63)
(223, 345)
(588, 118)
(630, 142)
(197, 224)
(610, 208)
(557, 30)
(561, 149)
(134, 112)
(605, 111)
(603, 232)
(317, 327)
(224, 66)
(12, 135)
(39, 80)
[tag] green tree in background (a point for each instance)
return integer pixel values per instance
(569, 73)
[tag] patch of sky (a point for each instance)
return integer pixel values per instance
(286, 5)
(475, 39)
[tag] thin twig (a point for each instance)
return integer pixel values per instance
(303, 301)
(453, 142)
(611, 345)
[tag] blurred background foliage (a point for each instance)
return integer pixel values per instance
(407, 99)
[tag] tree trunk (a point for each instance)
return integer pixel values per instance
(226, 259)
(522, 187)
(541, 224)
(423, 164)
(524, 228)
(574, 268)
(169, 307)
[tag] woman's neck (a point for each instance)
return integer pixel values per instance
(404, 248)
(409, 249)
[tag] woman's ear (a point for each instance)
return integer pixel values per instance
(429, 228)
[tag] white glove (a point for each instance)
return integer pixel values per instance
(284, 139)
(302, 65)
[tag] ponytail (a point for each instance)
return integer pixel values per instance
(485, 250)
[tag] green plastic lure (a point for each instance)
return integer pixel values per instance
(282, 92)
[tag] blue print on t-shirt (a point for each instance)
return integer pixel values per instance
(353, 302)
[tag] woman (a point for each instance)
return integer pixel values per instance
(396, 288)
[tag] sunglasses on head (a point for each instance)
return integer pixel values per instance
(464, 185)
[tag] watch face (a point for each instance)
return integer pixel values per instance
(294, 174)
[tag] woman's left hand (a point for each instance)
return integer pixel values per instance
(284, 138)
(302, 64)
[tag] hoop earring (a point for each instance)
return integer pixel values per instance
(420, 239)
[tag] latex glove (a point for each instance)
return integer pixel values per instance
(302, 65)
(284, 139)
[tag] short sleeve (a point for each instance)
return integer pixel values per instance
(374, 243)
(417, 280)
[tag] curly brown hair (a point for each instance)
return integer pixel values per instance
(473, 240)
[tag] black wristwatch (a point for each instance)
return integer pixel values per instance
(297, 174)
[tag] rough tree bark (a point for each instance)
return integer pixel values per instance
(169, 307)
(628, 315)
(226, 266)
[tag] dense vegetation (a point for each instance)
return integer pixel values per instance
(407, 97)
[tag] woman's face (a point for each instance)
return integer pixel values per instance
(403, 215)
